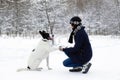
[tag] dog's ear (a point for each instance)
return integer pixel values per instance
(43, 32)
(40, 32)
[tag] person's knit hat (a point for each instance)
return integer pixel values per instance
(75, 20)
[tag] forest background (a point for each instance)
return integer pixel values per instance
(26, 17)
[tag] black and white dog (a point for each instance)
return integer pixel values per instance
(41, 52)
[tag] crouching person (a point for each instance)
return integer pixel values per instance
(79, 55)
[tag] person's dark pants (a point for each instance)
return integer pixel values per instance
(68, 63)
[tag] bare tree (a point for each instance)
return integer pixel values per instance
(50, 24)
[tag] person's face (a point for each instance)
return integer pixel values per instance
(72, 26)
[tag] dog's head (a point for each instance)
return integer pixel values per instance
(45, 35)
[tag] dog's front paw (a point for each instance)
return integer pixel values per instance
(49, 68)
(39, 69)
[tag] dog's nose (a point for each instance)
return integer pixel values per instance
(50, 38)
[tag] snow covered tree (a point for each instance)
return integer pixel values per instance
(48, 15)
(15, 16)
(26, 17)
(118, 14)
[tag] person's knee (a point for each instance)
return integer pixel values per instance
(65, 64)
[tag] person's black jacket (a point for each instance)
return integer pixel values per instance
(82, 51)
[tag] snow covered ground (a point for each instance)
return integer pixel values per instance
(14, 53)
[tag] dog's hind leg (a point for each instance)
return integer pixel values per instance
(47, 61)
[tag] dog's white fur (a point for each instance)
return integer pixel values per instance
(39, 53)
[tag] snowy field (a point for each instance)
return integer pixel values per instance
(14, 53)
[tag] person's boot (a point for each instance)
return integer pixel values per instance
(86, 68)
(76, 69)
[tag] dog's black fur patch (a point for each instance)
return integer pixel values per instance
(33, 50)
(28, 67)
